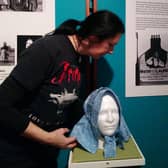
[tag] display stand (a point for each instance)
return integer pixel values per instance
(130, 156)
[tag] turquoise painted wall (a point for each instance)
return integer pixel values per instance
(74, 9)
(147, 117)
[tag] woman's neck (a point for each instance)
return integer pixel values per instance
(78, 45)
(75, 42)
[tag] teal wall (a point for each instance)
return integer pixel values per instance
(147, 117)
(66, 9)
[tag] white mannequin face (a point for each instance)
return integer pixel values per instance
(108, 118)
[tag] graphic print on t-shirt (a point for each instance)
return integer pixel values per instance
(69, 80)
(63, 98)
(69, 74)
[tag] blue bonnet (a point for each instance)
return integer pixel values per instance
(86, 129)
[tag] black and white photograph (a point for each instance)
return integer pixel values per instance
(24, 41)
(21, 5)
(7, 54)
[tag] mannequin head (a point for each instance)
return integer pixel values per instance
(108, 117)
(102, 125)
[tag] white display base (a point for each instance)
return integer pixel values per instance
(109, 163)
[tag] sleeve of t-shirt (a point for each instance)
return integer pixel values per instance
(26, 77)
(11, 121)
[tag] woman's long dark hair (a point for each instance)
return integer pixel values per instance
(102, 24)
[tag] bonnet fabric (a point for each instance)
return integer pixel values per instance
(86, 129)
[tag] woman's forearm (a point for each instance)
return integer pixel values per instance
(35, 133)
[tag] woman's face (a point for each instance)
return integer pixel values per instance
(96, 49)
(108, 118)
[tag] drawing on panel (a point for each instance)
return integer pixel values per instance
(152, 64)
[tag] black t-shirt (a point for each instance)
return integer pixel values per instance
(45, 84)
(51, 72)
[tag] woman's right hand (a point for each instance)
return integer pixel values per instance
(55, 138)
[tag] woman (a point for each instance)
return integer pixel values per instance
(38, 99)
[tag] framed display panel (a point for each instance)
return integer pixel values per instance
(146, 48)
